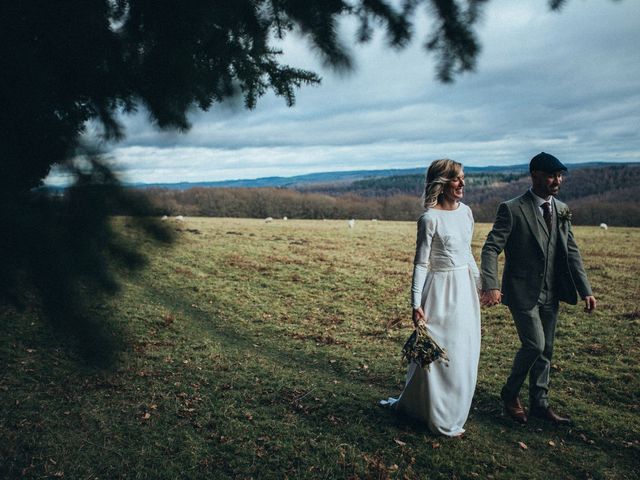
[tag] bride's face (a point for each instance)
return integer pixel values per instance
(454, 190)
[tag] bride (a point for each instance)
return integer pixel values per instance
(445, 296)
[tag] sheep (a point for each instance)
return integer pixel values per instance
(268, 220)
(164, 217)
(285, 218)
(351, 223)
(603, 226)
(179, 218)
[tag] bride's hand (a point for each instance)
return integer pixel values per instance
(418, 316)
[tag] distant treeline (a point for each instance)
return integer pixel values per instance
(608, 194)
(278, 203)
(402, 184)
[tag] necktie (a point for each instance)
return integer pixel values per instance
(546, 214)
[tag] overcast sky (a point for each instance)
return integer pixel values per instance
(564, 82)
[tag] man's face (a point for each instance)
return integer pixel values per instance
(546, 184)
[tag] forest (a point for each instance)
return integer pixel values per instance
(607, 194)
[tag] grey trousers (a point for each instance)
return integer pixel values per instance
(536, 329)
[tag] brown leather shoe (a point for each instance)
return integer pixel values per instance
(515, 410)
(549, 415)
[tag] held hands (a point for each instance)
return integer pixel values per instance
(590, 303)
(418, 317)
(489, 298)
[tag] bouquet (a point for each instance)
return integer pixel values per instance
(422, 349)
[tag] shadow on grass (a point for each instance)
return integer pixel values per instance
(487, 410)
(382, 424)
(62, 256)
(357, 418)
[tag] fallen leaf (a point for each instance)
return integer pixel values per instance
(552, 443)
(435, 445)
(146, 416)
(522, 445)
(400, 442)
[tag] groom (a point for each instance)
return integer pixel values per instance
(542, 267)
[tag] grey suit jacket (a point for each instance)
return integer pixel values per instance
(519, 234)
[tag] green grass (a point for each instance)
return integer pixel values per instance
(255, 350)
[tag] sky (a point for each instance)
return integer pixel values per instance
(566, 82)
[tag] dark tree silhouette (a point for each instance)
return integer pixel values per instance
(67, 64)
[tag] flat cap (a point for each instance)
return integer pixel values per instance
(544, 162)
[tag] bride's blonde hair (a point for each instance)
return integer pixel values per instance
(439, 173)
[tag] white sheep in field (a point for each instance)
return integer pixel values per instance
(179, 218)
(603, 226)
(164, 217)
(351, 223)
(285, 218)
(268, 220)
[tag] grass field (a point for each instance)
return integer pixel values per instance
(260, 350)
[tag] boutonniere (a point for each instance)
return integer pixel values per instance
(564, 216)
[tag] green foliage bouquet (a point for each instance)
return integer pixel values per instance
(422, 349)
(565, 216)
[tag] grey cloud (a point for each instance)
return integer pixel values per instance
(565, 82)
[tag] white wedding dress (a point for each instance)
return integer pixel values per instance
(445, 283)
